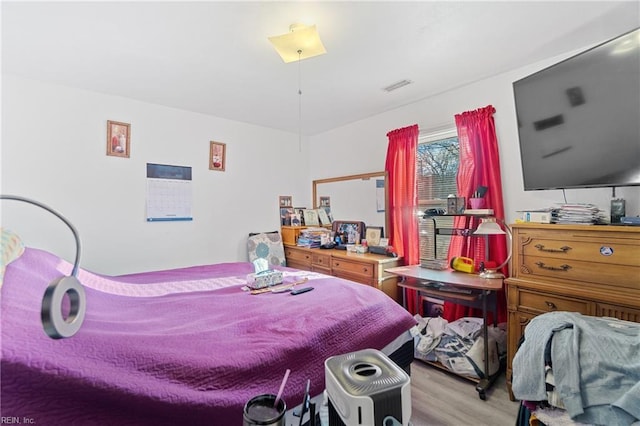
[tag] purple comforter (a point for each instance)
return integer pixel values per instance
(184, 346)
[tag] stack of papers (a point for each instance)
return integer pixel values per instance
(313, 237)
(585, 214)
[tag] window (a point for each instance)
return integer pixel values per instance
(437, 166)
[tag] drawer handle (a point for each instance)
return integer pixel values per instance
(554, 268)
(562, 249)
(551, 306)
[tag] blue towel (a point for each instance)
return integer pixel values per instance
(595, 361)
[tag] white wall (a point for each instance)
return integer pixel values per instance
(53, 151)
(361, 147)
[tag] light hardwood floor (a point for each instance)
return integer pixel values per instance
(442, 398)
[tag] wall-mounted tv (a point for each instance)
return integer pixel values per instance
(579, 120)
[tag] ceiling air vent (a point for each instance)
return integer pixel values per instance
(397, 85)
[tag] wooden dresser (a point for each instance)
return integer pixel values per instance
(593, 270)
(364, 268)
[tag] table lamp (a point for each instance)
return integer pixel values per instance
(490, 226)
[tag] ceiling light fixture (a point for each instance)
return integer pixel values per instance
(301, 42)
(299, 38)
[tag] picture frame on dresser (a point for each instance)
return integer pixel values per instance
(323, 217)
(300, 212)
(311, 217)
(346, 228)
(285, 216)
(373, 234)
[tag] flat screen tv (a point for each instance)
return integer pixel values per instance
(579, 120)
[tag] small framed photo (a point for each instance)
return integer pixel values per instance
(325, 202)
(285, 216)
(300, 212)
(295, 220)
(118, 139)
(286, 201)
(217, 156)
(311, 217)
(374, 234)
(323, 217)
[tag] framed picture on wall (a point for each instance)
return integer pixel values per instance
(325, 201)
(285, 201)
(217, 156)
(118, 139)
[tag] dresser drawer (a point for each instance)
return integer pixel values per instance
(620, 312)
(321, 260)
(538, 302)
(321, 270)
(297, 256)
(576, 272)
(612, 250)
(364, 270)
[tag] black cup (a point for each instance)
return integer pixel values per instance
(259, 411)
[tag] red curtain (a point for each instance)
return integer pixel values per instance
(479, 166)
(400, 166)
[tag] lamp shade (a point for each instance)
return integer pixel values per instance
(489, 226)
(301, 42)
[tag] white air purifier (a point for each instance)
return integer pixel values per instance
(367, 388)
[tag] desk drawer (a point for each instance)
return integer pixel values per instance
(539, 303)
(353, 268)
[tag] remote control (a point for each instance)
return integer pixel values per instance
(301, 290)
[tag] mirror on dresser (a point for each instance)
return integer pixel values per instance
(361, 197)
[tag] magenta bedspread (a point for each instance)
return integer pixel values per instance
(184, 346)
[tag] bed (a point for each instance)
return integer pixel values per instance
(181, 346)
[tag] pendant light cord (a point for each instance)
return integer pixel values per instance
(299, 101)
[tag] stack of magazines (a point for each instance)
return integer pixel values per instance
(313, 237)
(585, 214)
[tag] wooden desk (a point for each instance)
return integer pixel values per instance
(459, 287)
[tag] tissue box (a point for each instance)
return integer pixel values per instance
(264, 279)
